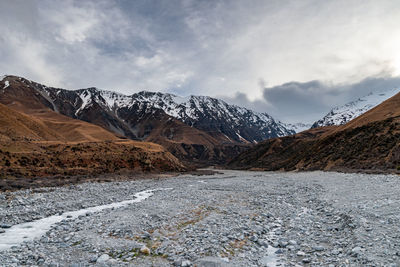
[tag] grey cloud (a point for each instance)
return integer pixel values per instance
(309, 101)
(210, 47)
(241, 99)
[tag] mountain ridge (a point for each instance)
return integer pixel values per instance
(196, 127)
(369, 142)
(342, 114)
(190, 110)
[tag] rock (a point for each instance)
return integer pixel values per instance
(282, 243)
(300, 253)
(146, 235)
(355, 251)
(93, 259)
(264, 261)
(211, 262)
(186, 263)
(254, 238)
(177, 262)
(263, 243)
(145, 250)
(335, 252)
(318, 248)
(290, 247)
(306, 260)
(103, 258)
(5, 225)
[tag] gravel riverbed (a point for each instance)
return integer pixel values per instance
(235, 218)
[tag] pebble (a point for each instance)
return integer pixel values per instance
(103, 258)
(300, 253)
(186, 263)
(318, 248)
(356, 251)
(210, 262)
(145, 250)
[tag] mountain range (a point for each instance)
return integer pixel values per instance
(195, 128)
(367, 142)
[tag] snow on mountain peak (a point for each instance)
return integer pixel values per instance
(343, 114)
(192, 110)
(297, 127)
(120, 111)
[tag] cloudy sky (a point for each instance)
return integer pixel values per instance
(292, 59)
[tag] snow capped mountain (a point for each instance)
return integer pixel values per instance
(211, 114)
(297, 127)
(122, 113)
(343, 114)
(205, 113)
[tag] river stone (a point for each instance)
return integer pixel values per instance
(103, 258)
(211, 262)
(145, 250)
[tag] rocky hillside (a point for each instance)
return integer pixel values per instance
(195, 129)
(369, 142)
(343, 114)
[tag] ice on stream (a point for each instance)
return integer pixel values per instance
(29, 231)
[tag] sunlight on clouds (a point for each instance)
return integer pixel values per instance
(211, 48)
(396, 66)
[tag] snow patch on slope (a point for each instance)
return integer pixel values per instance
(297, 127)
(6, 84)
(86, 97)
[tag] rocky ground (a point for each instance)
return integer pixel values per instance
(235, 218)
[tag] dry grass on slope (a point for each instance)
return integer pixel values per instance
(28, 159)
(17, 126)
(36, 141)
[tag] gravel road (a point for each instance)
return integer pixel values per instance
(235, 218)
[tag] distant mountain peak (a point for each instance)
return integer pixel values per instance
(297, 127)
(342, 114)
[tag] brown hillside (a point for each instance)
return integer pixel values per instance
(16, 126)
(31, 159)
(36, 141)
(26, 100)
(369, 142)
(193, 146)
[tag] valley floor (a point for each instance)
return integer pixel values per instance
(234, 218)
